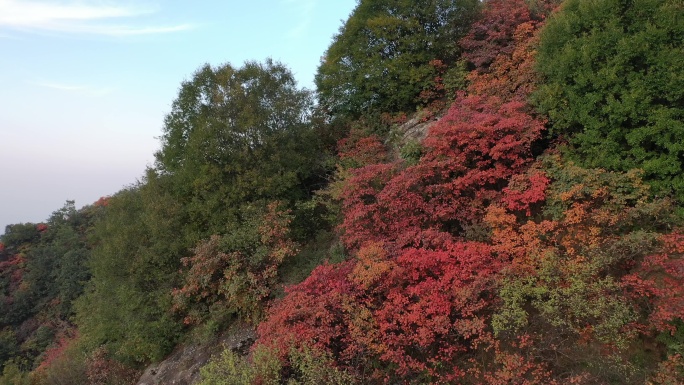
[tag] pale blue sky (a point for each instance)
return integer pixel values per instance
(85, 84)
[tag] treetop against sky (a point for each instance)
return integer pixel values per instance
(86, 84)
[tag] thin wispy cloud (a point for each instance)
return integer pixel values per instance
(305, 9)
(125, 30)
(79, 17)
(58, 86)
(77, 88)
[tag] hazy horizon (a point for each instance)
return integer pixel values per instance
(86, 84)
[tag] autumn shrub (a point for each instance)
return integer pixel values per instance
(670, 371)
(360, 149)
(415, 315)
(580, 273)
(237, 272)
(67, 363)
(102, 370)
(495, 36)
(469, 157)
(64, 365)
(493, 33)
(657, 282)
(512, 76)
(313, 312)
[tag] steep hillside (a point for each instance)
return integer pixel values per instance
(477, 193)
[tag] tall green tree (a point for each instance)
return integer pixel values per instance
(380, 60)
(234, 137)
(135, 259)
(238, 135)
(614, 85)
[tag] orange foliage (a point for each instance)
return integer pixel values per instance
(372, 265)
(102, 202)
(511, 77)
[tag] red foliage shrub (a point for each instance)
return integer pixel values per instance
(55, 352)
(315, 312)
(470, 156)
(13, 269)
(102, 202)
(514, 364)
(434, 309)
(660, 280)
(421, 313)
(361, 204)
(511, 76)
(358, 150)
(492, 35)
(670, 371)
(525, 190)
(102, 370)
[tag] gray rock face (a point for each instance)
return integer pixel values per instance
(183, 365)
(416, 129)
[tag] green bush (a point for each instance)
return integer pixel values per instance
(13, 375)
(614, 86)
(230, 368)
(306, 367)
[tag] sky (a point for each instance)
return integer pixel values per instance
(85, 84)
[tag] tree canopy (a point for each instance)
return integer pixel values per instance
(380, 60)
(238, 135)
(614, 85)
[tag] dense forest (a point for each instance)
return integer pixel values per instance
(529, 233)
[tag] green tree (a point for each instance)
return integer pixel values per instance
(380, 60)
(126, 305)
(614, 85)
(238, 135)
(19, 236)
(234, 137)
(56, 269)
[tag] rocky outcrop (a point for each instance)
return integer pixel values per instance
(416, 128)
(183, 365)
